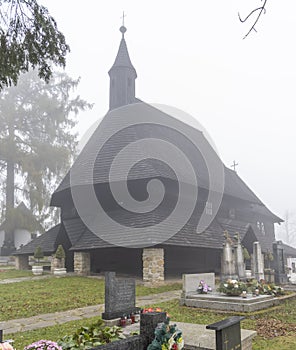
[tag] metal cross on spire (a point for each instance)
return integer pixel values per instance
(234, 165)
(123, 16)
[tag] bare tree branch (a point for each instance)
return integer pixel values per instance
(259, 11)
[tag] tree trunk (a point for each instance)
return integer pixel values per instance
(8, 244)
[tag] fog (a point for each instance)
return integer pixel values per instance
(191, 55)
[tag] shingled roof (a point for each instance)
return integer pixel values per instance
(289, 251)
(149, 168)
(47, 241)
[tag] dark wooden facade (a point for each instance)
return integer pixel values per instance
(187, 251)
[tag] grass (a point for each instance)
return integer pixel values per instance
(30, 298)
(6, 273)
(56, 294)
(54, 333)
(285, 313)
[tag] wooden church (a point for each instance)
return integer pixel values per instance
(88, 247)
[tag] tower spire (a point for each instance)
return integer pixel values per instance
(122, 76)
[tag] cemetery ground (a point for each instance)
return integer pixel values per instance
(276, 327)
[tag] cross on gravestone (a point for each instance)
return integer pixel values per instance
(120, 296)
(228, 334)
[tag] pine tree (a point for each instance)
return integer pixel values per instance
(38, 254)
(29, 37)
(60, 253)
(37, 143)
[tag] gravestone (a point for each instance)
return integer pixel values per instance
(228, 333)
(120, 296)
(228, 269)
(291, 263)
(258, 262)
(239, 258)
(149, 322)
(191, 282)
(279, 263)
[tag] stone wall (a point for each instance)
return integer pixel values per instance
(56, 264)
(22, 262)
(153, 265)
(82, 263)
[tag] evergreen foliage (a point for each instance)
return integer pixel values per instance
(37, 143)
(167, 337)
(60, 253)
(29, 37)
(38, 254)
(246, 254)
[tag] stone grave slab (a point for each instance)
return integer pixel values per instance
(191, 282)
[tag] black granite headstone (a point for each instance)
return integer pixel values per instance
(1, 335)
(120, 296)
(149, 322)
(280, 275)
(228, 333)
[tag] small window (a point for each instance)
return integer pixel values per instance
(209, 208)
(262, 228)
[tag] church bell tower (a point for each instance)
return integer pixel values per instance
(122, 77)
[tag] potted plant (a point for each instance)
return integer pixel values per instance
(37, 269)
(59, 261)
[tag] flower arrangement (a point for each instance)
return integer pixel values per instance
(203, 288)
(43, 345)
(6, 346)
(167, 337)
(232, 287)
(265, 288)
(151, 310)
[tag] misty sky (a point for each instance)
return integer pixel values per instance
(190, 55)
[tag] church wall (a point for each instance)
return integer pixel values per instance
(237, 209)
(179, 260)
(120, 260)
(65, 242)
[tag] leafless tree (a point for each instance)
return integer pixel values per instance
(256, 13)
(287, 231)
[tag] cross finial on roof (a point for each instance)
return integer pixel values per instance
(123, 28)
(123, 15)
(234, 165)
